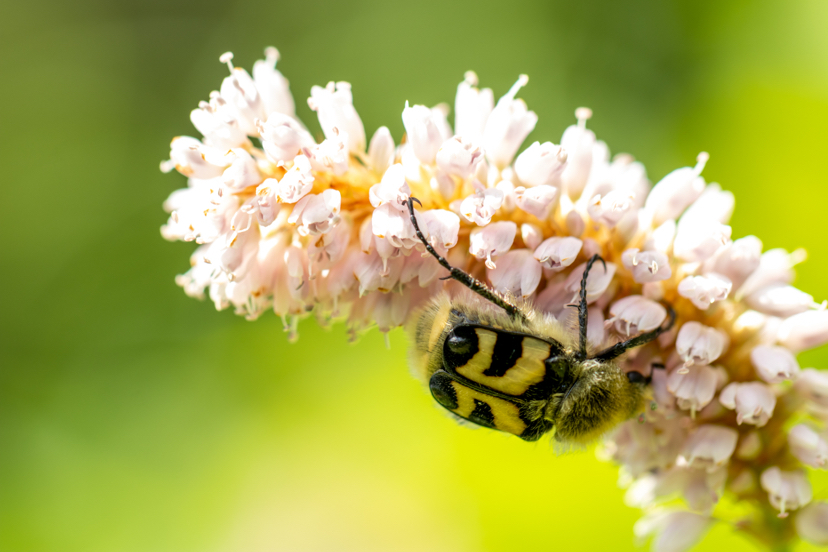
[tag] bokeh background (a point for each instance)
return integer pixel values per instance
(133, 418)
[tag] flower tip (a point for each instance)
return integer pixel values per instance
(523, 80)
(701, 160)
(271, 54)
(470, 77)
(583, 114)
(227, 57)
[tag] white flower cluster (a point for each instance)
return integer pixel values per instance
(303, 228)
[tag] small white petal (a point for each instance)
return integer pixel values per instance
(805, 330)
(541, 164)
(787, 490)
(676, 191)
(472, 108)
(635, 314)
(812, 523)
(425, 130)
(492, 240)
(753, 402)
(517, 272)
(647, 266)
(536, 201)
(557, 253)
(774, 364)
(381, 150)
(508, 125)
(334, 105)
(703, 291)
(700, 344)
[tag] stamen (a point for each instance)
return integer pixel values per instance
(520, 83)
(701, 161)
(227, 58)
(583, 114)
(272, 55)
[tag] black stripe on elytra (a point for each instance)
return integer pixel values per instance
(507, 350)
(482, 414)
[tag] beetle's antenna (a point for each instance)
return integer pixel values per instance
(619, 348)
(464, 278)
(582, 306)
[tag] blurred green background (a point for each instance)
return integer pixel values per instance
(133, 418)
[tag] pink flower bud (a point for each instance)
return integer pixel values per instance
(753, 401)
(334, 105)
(508, 126)
(220, 129)
(713, 204)
(774, 364)
(536, 201)
(381, 150)
(700, 344)
(392, 190)
(242, 171)
(459, 156)
(532, 235)
(268, 207)
(558, 253)
(426, 131)
(610, 208)
(787, 490)
(443, 227)
(375, 273)
(780, 300)
(675, 531)
(661, 239)
(710, 447)
(492, 240)
(703, 291)
(647, 266)
(482, 205)
(805, 330)
(541, 164)
(331, 155)
(472, 108)
(812, 385)
(808, 446)
(517, 272)
(775, 267)
(812, 523)
(195, 160)
(316, 214)
(695, 388)
(242, 100)
(395, 225)
(578, 142)
(699, 239)
(273, 86)
(283, 137)
(634, 314)
(297, 182)
(737, 260)
(676, 191)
